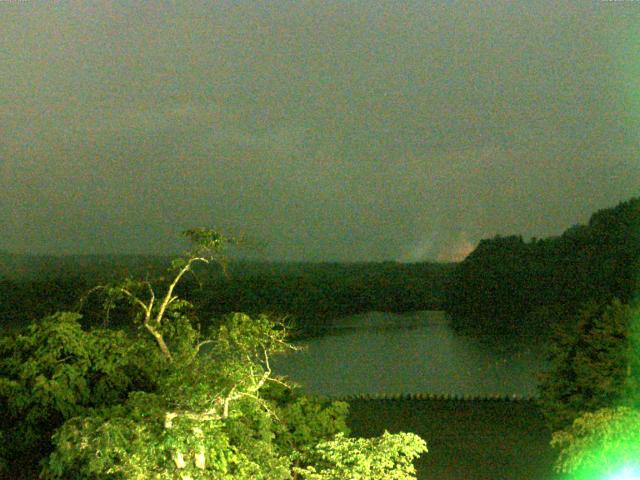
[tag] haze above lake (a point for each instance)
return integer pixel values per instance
(384, 353)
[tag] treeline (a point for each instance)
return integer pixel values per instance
(314, 294)
(309, 294)
(509, 285)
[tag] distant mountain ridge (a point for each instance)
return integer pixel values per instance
(16, 266)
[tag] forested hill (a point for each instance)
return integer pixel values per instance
(309, 293)
(314, 293)
(509, 285)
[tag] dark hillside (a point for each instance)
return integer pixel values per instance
(513, 286)
(308, 293)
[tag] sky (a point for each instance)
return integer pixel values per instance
(327, 130)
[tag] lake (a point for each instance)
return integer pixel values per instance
(385, 353)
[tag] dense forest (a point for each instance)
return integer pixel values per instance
(509, 285)
(506, 285)
(314, 294)
(577, 293)
(308, 294)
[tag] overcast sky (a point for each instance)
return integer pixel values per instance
(352, 130)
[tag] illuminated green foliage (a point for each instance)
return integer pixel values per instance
(169, 401)
(597, 374)
(389, 457)
(600, 445)
(54, 370)
(631, 393)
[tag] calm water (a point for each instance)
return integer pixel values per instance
(416, 353)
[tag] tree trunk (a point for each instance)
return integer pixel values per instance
(160, 341)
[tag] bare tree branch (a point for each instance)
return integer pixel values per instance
(135, 299)
(169, 294)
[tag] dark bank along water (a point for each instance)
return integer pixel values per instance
(378, 353)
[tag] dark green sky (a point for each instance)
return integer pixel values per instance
(346, 130)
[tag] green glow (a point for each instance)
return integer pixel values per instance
(627, 473)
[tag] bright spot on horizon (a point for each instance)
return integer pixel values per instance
(458, 251)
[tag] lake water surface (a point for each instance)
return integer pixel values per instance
(378, 353)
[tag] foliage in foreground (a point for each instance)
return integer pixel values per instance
(594, 364)
(599, 444)
(591, 395)
(389, 457)
(55, 370)
(168, 400)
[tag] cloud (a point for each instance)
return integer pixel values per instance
(332, 130)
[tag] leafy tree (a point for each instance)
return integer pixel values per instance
(593, 364)
(171, 400)
(600, 444)
(206, 420)
(389, 457)
(55, 370)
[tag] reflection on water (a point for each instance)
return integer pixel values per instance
(417, 353)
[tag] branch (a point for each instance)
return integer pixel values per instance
(257, 385)
(85, 297)
(226, 401)
(144, 306)
(199, 346)
(168, 298)
(172, 299)
(280, 382)
(202, 344)
(152, 298)
(148, 310)
(201, 417)
(160, 341)
(262, 402)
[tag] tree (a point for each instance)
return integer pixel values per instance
(55, 370)
(188, 403)
(389, 456)
(593, 364)
(591, 395)
(514, 286)
(196, 424)
(600, 444)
